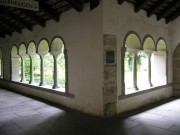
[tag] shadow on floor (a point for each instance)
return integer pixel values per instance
(22, 115)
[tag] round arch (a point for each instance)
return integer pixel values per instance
(161, 45)
(22, 49)
(57, 46)
(148, 43)
(14, 51)
(177, 51)
(43, 46)
(31, 49)
(132, 41)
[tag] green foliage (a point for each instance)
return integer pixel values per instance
(48, 69)
(128, 60)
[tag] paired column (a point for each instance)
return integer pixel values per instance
(148, 54)
(23, 79)
(134, 69)
(31, 70)
(42, 70)
(55, 72)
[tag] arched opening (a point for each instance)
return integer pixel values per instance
(22, 67)
(1, 64)
(144, 60)
(15, 64)
(133, 45)
(57, 50)
(159, 64)
(176, 65)
(43, 50)
(34, 64)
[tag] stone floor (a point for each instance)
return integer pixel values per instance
(21, 115)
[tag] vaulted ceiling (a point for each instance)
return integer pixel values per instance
(15, 19)
(167, 9)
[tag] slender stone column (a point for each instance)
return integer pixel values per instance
(148, 54)
(55, 73)
(22, 69)
(31, 70)
(42, 71)
(134, 68)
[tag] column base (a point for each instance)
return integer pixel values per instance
(42, 84)
(150, 84)
(55, 87)
(135, 88)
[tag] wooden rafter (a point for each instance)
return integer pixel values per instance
(16, 18)
(172, 17)
(5, 31)
(158, 5)
(48, 10)
(168, 10)
(76, 5)
(35, 18)
(140, 5)
(120, 1)
(11, 26)
(94, 4)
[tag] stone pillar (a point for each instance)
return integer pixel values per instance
(148, 54)
(123, 51)
(42, 71)
(134, 68)
(110, 76)
(23, 79)
(55, 73)
(31, 70)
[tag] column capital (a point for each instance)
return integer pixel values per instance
(148, 52)
(133, 51)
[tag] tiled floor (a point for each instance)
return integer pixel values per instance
(20, 115)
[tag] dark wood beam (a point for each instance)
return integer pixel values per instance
(173, 16)
(94, 4)
(120, 1)
(168, 10)
(16, 18)
(21, 21)
(76, 5)
(2, 35)
(139, 5)
(11, 26)
(5, 31)
(157, 6)
(48, 10)
(35, 18)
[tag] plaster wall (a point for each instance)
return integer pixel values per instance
(174, 32)
(82, 34)
(118, 20)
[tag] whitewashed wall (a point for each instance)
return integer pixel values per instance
(82, 33)
(174, 32)
(119, 20)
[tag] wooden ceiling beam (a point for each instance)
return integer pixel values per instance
(11, 26)
(76, 5)
(168, 10)
(5, 31)
(120, 1)
(48, 10)
(16, 18)
(21, 21)
(35, 18)
(140, 5)
(173, 16)
(94, 4)
(158, 5)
